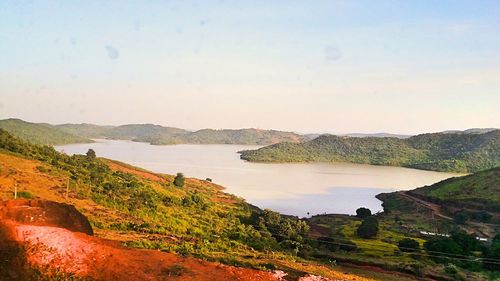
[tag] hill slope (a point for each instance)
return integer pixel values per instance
(40, 133)
(90, 131)
(59, 230)
(142, 209)
(160, 135)
(480, 190)
(458, 152)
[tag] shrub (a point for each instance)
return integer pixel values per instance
(408, 245)
(179, 180)
(175, 270)
(25, 194)
(91, 154)
(41, 169)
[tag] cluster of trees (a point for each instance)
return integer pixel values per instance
(464, 250)
(462, 216)
(440, 151)
(289, 232)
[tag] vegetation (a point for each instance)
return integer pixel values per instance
(368, 228)
(204, 221)
(90, 131)
(179, 180)
(456, 152)
(479, 191)
(242, 136)
(150, 133)
(146, 210)
(363, 213)
(40, 133)
(408, 245)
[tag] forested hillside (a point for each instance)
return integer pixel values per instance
(457, 152)
(40, 133)
(150, 133)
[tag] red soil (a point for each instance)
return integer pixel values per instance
(53, 246)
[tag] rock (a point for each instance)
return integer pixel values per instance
(45, 213)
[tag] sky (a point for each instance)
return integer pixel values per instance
(306, 66)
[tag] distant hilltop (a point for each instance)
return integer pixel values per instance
(48, 134)
(463, 152)
(42, 133)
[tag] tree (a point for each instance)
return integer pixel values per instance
(408, 245)
(461, 217)
(443, 245)
(368, 228)
(363, 213)
(91, 154)
(493, 254)
(179, 180)
(468, 243)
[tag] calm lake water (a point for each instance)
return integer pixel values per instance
(295, 189)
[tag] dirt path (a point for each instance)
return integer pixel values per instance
(435, 208)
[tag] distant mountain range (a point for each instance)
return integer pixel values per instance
(457, 152)
(460, 151)
(42, 133)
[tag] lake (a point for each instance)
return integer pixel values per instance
(295, 189)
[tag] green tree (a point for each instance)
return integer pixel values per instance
(493, 254)
(91, 154)
(461, 217)
(443, 245)
(179, 180)
(363, 213)
(368, 228)
(408, 245)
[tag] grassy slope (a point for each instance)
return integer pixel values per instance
(40, 133)
(147, 211)
(432, 208)
(482, 187)
(457, 152)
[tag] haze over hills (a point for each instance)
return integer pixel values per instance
(464, 152)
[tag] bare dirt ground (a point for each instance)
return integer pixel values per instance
(27, 221)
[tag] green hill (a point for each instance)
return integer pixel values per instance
(478, 190)
(457, 152)
(143, 132)
(90, 131)
(160, 135)
(40, 133)
(242, 136)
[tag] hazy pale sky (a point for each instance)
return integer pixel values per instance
(306, 66)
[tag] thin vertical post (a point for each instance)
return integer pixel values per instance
(67, 189)
(15, 191)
